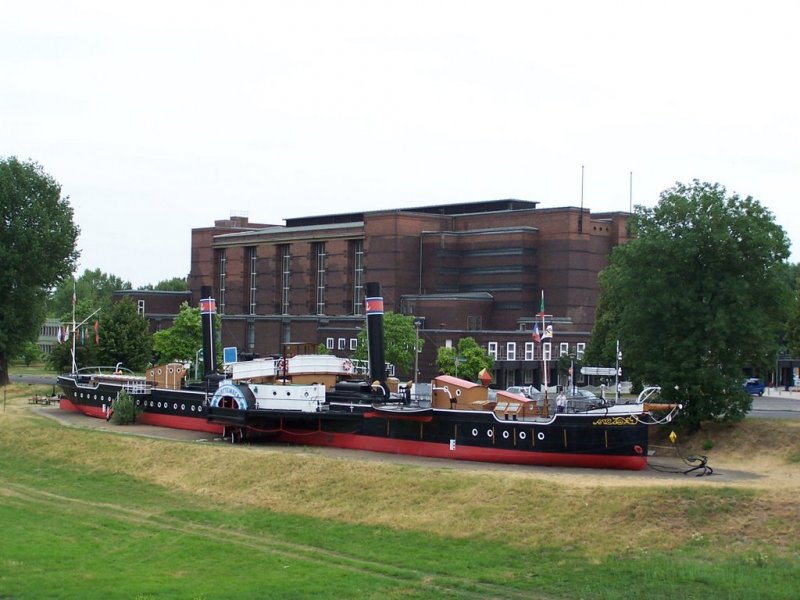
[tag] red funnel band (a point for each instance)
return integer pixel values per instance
(374, 306)
(208, 306)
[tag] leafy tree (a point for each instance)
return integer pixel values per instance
(176, 284)
(471, 359)
(37, 251)
(93, 290)
(125, 410)
(793, 325)
(86, 353)
(399, 336)
(31, 353)
(125, 337)
(696, 296)
(182, 341)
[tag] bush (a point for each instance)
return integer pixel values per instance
(125, 411)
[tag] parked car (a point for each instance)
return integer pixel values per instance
(522, 390)
(754, 387)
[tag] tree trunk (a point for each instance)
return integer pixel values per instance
(3, 369)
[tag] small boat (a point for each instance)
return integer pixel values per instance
(330, 401)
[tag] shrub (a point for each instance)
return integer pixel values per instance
(125, 411)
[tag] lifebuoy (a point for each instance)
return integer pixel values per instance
(280, 365)
(347, 365)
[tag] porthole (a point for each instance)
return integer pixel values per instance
(175, 406)
(474, 433)
(192, 408)
(159, 404)
(540, 435)
(183, 407)
(490, 433)
(505, 435)
(458, 392)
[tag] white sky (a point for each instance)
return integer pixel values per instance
(157, 117)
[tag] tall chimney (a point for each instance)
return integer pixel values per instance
(208, 312)
(373, 303)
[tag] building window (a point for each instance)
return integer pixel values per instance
(329, 343)
(474, 323)
(563, 348)
(353, 343)
(252, 258)
(140, 307)
(527, 376)
(529, 348)
(492, 350)
(341, 342)
(511, 350)
(222, 266)
(358, 276)
(547, 351)
(319, 277)
(286, 278)
(580, 348)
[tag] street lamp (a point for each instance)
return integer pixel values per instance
(417, 324)
(616, 374)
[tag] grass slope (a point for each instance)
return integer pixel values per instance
(96, 515)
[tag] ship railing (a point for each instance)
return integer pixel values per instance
(137, 387)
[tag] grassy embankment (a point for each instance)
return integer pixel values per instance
(92, 514)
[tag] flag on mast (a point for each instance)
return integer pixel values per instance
(536, 337)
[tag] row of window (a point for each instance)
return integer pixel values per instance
(320, 267)
(341, 343)
(509, 351)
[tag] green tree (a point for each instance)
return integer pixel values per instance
(696, 296)
(399, 336)
(93, 290)
(792, 342)
(182, 341)
(125, 337)
(466, 360)
(37, 251)
(176, 284)
(31, 353)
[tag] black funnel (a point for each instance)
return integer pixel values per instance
(373, 303)
(208, 312)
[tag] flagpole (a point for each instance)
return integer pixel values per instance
(74, 363)
(545, 404)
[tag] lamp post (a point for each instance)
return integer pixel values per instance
(616, 374)
(417, 324)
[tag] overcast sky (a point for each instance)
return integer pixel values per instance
(157, 117)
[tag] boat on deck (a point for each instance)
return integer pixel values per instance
(330, 401)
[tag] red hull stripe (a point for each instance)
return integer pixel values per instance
(463, 452)
(66, 404)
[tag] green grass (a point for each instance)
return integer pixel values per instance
(82, 529)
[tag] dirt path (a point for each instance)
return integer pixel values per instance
(760, 470)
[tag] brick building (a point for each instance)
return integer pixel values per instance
(159, 307)
(474, 269)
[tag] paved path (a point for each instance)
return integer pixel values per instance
(776, 403)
